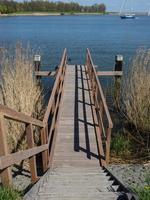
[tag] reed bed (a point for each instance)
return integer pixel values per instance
(19, 90)
(136, 94)
(136, 91)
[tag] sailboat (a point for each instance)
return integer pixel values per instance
(129, 15)
(149, 12)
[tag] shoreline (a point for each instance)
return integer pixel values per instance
(51, 14)
(62, 14)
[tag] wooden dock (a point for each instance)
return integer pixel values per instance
(75, 172)
(75, 139)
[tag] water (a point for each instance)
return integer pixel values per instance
(106, 36)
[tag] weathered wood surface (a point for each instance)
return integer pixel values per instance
(6, 177)
(10, 159)
(109, 73)
(75, 173)
(76, 140)
(20, 117)
(45, 73)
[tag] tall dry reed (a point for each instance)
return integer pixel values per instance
(19, 90)
(136, 91)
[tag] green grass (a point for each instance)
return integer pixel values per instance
(143, 193)
(147, 179)
(120, 145)
(8, 193)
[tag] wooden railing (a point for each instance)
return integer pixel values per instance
(103, 118)
(48, 131)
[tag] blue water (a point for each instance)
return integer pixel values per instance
(106, 36)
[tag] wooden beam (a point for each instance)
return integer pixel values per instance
(10, 159)
(109, 73)
(32, 160)
(45, 73)
(108, 140)
(20, 117)
(6, 177)
(45, 154)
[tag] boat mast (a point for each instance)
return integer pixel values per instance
(131, 7)
(123, 4)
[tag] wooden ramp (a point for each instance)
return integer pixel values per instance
(76, 140)
(75, 172)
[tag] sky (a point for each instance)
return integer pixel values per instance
(115, 5)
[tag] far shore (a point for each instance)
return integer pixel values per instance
(46, 14)
(60, 14)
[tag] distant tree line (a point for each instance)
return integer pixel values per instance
(8, 6)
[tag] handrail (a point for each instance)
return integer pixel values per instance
(19, 117)
(11, 159)
(49, 107)
(8, 159)
(101, 91)
(101, 109)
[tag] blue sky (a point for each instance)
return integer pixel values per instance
(115, 5)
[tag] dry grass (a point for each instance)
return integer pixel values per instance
(19, 90)
(136, 91)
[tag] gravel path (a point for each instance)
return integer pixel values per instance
(21, 179)
(131, 174)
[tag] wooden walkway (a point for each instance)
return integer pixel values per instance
(76, 140)
(75, 136)
(75, 173)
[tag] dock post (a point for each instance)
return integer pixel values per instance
(117, 84)
(37, 65)
(37, 62)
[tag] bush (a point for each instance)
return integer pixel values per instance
(120, 145)
(7, 193)
(19, 90)
(136, 91)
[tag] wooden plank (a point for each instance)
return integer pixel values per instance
(32, 159)
(45, 154)
(69, 149)
(54, 124)
(108, 140)
(6, 177)
(45, 73)
(109, 73)
(10, 159)
(18, 116)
